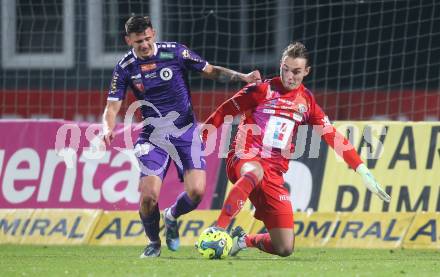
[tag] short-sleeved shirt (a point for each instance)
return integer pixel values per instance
(160, 80)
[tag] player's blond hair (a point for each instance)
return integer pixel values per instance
(296, 50)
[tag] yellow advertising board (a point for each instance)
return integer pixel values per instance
(424, 232)
(404, 158)
(48, 226)
(14, 224)
(369, 230)
(118, 228)
(125, 227)
(328, 229)
(314, 229)
(348, 230)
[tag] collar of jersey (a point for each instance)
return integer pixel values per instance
(154, 53)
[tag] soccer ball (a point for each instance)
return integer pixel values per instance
(214, 243)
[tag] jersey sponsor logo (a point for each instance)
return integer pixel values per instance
(166, 56)
(278, 131)
(166, 74)
(151, 75)
(297, 117)
(285, 101)
(284, 197)
(137, 76)
(148, 67)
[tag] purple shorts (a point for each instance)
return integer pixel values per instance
(155, 156)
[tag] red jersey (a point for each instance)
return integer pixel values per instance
(270, 119)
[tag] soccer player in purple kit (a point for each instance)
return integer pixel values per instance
(156, 73)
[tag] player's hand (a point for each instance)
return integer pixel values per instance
(371, 183)
(108, 137)
(253, 77)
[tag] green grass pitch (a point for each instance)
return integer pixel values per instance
(123, 261)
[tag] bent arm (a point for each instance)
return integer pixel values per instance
(225, 75)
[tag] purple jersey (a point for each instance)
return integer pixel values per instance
(161, 80)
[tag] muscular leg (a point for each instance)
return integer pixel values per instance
(149, 187)
(195, 181)
(187, 201)
(251, 173)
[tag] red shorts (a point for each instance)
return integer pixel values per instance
(270, 198)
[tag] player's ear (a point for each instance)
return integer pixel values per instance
(307, 71)
(127, 40)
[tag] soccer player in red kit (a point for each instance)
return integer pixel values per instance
(271, 114)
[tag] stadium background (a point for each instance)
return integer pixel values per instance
(371, 60)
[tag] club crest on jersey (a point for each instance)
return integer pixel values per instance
(186, 55)
(148, 67)
(301, 108)
(166, 74)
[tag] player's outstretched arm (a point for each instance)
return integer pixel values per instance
(344, 148)
(225, 75)
(109, 120)
(371, 183)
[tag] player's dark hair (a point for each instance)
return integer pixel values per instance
(296, 50)
(137, 24)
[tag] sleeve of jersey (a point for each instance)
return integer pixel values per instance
(333, 138)
(118, 85)
(247, 98)
(191, 60)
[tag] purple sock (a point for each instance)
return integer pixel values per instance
(151, 224)
(183, 205)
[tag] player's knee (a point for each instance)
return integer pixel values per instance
(148, 201)
(285, 251)
(253, 167)
(196, 193)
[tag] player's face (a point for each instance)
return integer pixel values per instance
(293, 71)
(143, 43)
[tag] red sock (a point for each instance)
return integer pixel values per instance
(260, 241)
(236, 198)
